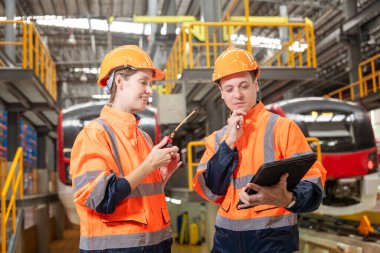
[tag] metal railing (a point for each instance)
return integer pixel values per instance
(34, 53)
(17, 184)
(318, 146)
(3, 171)
(191, 164)
(370, 83)
(199, 43)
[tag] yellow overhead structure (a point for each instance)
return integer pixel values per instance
(367, 84)
(198, 44)
(163, 19)
(35, 53)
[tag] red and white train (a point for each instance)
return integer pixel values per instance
(349, 152)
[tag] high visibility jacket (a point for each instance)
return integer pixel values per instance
(111, 216)
(222, 173)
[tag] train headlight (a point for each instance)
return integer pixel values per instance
(372, 163)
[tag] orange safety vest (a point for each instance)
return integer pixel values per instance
(116, 145)
(267, 137)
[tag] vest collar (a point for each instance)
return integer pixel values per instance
(119, 117)
(253, 114)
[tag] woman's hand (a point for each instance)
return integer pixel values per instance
(159, 156)
(168, 170)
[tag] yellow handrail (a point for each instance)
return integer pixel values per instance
(197, 44)
(190, 163)
(17, 183)
(342, 93)
(319, 150)
(35, 54)
(3, 170)
(369, 83)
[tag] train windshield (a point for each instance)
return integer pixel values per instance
(334, 129)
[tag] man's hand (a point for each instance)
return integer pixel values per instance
(235, 127)
(168, 170)
(276, 195)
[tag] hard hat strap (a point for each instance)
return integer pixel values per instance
(108, 86)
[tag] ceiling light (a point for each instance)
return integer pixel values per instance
(83, 78)
(71, 40)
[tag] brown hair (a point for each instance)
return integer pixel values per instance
(125, 73)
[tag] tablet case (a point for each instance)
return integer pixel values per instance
(270, 173)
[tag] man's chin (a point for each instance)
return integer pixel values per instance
(242, 108)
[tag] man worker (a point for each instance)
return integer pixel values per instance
(253, 136)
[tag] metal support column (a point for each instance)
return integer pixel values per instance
(10, 7)
(41, 147)
(152, 11)
(211, 11)
(284, 31)
(353, 43)
(172, 11)
(13, 137)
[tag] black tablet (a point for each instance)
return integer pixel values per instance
(270, 173)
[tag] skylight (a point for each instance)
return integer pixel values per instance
(83, 23)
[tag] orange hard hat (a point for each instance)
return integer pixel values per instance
(127, 56)
(234, 60)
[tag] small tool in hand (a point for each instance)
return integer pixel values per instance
(171, 136)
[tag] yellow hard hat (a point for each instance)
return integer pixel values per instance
(234, 60)
(126, 56)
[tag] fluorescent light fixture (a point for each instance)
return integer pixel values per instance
(74, 123)
(257, 41)
(86, 70)
(338, 118)
(298, 47)
(324, 118)
(82, 23)
(100, 96)
(176, 201)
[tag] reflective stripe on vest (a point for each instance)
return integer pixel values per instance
(148, 189)
(269, 153)
(256, 223)
(124, 241)
(147, 138)
(115, 150)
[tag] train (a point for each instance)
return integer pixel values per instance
(348, 149)
(344, 131)
(70, 123)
